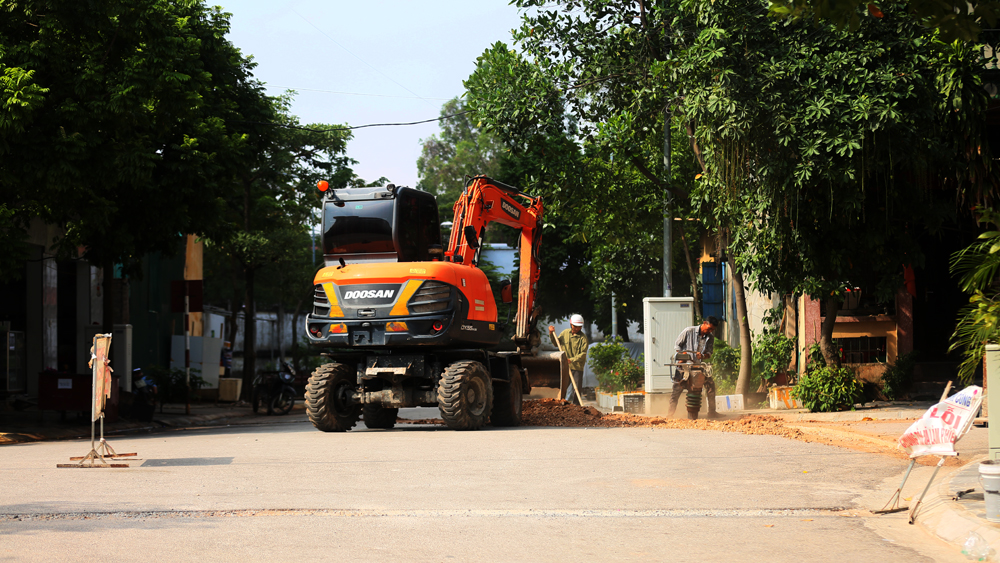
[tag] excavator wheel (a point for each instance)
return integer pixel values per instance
(465, 395)
(328, 398)
(507, 400)
(377, 416)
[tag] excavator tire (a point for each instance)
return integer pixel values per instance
(507, 400)
(465, 395)
(377, 416)
(328, 398)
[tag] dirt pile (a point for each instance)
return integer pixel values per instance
(556, 412)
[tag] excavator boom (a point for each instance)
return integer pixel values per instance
(486, 201)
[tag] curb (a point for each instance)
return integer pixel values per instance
(952, 522)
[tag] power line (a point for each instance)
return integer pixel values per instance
(349, 128)
(352, 93)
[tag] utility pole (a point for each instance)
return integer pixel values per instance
(668, 277)
(614, 316)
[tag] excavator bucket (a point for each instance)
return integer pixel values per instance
(547, 370)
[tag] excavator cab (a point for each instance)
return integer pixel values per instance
(386, 284)
(387, 224)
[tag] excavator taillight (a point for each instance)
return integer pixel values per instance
(436, 327)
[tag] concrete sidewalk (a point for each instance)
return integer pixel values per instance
(954, 508)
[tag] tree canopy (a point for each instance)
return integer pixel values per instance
(820, 151)
(122, 123)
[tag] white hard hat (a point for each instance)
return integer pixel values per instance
(576, 320)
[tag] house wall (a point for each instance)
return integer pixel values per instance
(897, 330)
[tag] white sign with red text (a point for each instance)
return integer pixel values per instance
(943, 424)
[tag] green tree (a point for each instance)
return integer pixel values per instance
(960, 20)
(460, 150)
(977, 267)
(822, 148)
(122, 123)
(599, 182)
(271, 207)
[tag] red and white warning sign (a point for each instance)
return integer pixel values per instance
(942, 425)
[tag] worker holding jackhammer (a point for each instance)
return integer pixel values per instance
(574, 344)
(697, 342)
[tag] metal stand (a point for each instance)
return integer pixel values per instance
(95, 459)
(97, 453)
(894, 499)
(893, 504)
(913, 511)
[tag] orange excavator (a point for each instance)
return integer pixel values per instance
(406, 322)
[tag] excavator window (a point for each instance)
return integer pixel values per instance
(360, 227)
(400, 227)
(417, 226)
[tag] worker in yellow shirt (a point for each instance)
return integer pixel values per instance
(574, 344)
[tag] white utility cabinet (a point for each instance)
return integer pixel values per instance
(663, 320)
(206, 354)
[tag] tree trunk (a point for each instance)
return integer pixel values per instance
(235, 302)
(249, 336)
(746, 346)
(826, 333)
(691, 272)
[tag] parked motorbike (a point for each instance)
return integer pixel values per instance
(143, 396)
(274, 390)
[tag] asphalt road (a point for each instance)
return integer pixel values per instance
(286, 492)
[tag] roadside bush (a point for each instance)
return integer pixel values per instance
(828, 389)
(772, 352)
(626, 374)
(898, 376)
(614, 367)
(604, 355)
(725, 360)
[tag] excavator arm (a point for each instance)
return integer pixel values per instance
(486, 201)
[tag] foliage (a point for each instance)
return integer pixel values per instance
(627, 374)
(821, 179)
(602, 356)
(601, 183)
(818, 148)
(614, 367)
(772, 352)
(897, 377)
(977, 267)
(814, 357)
(828, 389)
(170, 386)
(460, 150)
(956, 20)
(269, 207)
(123, 121)
(725, 360)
